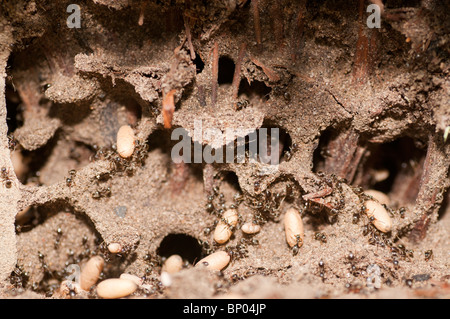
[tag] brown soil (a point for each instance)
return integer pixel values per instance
(359, 109)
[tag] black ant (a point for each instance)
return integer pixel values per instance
(297, 246)
(69, 180)
(322, 269)
(402, 211)
(266, 205)
(102, 192)
(59, 234)
(292, 150)
(325, 153)
(428, 255)
(321, 237)
(19, 277)
(242, 104)
(238, 251)
(5, 176)
(101, 177)
(12, 142)
(257, 186)
(45, 87)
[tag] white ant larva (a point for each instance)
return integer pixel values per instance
(250, 228)
(126, 141)
(379, 196)
(215, 261)
(293, 226)
(114, 288)
(378, 215)
(115, 248)
(224, 228)
(133, 278)
(173, 264)
(91, 272)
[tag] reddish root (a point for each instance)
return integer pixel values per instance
(431, 193)
(168, 108)
(237, 72)
(257, 22)
(215, 74)
(277, 23)
(141, 14)
(271, 74)
(189, 37)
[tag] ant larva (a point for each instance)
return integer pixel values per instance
(226, 226)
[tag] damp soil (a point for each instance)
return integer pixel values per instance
(357, 108)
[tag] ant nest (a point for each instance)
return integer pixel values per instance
(97, 201)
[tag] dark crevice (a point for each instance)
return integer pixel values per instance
(54, 273)
(36, 215)
(231, 179)
(14, 118)
(158, 139)
(38, 158)
(268, 134)
(394, 4)
(81, 152)
(394, 168)
(288, 148)
(401, 161)
(180, 172)
(196, 170)
(28, 164)
(226, 70)
(285, 142)
(199, 64)
(445, 205)
(187, 247)
(256, 89)
(70, 114)
(321, 152)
